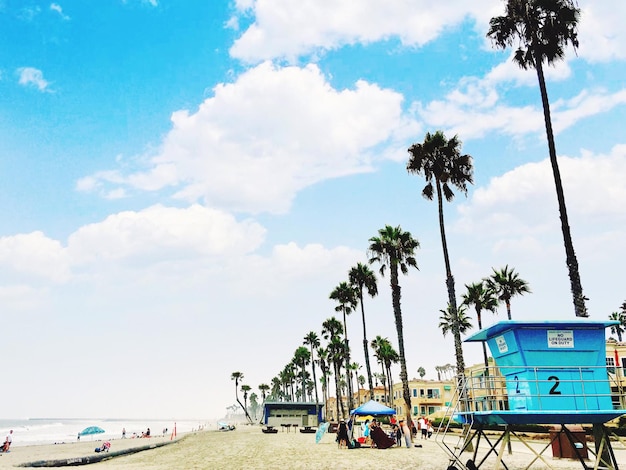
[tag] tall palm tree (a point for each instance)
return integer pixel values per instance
(378, 344)
(264, 388)
(449, 319)
(363, 278)
(302, 357)
(482, 298)
(619, 328)
(506, 283)
(443, 166)
(389, 356)
(237, 377)
(394, 248)
(322, 361)
(332, 331)
(542, 29)
(345, 295)
(314, 342)
(276, 388)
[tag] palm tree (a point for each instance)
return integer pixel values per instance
(314, 342)
(443, 166)
(331, 331)
(322, 357)
(362, 277)
(302, 357)
(448, 321)
(389, 356)
(619, 328)
(264, 389)
(482, 298)
(542, 30)
(422, 372)
(237, 377)
(386, 355)
(506, 283)
(378, 344)
(245, 389)
(345, 295)
(395, 248)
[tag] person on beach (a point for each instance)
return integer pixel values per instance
(406, 432)
(342, 435)
(7, 441)
(123, 433)
(424, 427)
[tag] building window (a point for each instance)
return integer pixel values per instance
(415, 392)
(433, 393)
(610, 365)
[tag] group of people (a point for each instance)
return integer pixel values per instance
(374, 434)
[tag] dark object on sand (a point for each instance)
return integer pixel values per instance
(269, 430)
(381, 439)
(308, 430)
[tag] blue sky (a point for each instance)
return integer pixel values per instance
(184, 183)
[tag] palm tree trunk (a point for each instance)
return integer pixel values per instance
(397, 311)
(580, 309)
(347, 359)
(366, 349)
(460, 362)
(338, 390)
(314, 382)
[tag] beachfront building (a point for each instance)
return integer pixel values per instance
(428, 397)
(286, 413)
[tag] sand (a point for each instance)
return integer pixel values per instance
(248, 448)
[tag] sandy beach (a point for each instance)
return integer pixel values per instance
(248, 448)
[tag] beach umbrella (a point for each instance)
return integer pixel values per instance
(320, 432)
(90, 431)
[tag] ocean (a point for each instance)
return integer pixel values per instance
(35, 431)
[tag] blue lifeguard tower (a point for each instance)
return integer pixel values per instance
(551, 372)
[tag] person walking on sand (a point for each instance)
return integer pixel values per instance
(123, 433)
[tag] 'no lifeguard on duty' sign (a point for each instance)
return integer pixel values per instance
(560, 339)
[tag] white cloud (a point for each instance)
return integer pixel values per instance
(522, 202)
(159, 233)
(30, 76)
(287, 29)
(57, 8)
(35, 255)
(475, 107)
(601, 31)
(273, 132)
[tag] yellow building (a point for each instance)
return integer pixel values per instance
(428, 397)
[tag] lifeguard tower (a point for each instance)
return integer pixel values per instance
(548, 373)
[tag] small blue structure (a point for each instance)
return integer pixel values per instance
(555, 372)
(282, 413)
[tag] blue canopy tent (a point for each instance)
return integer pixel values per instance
(373, 408)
